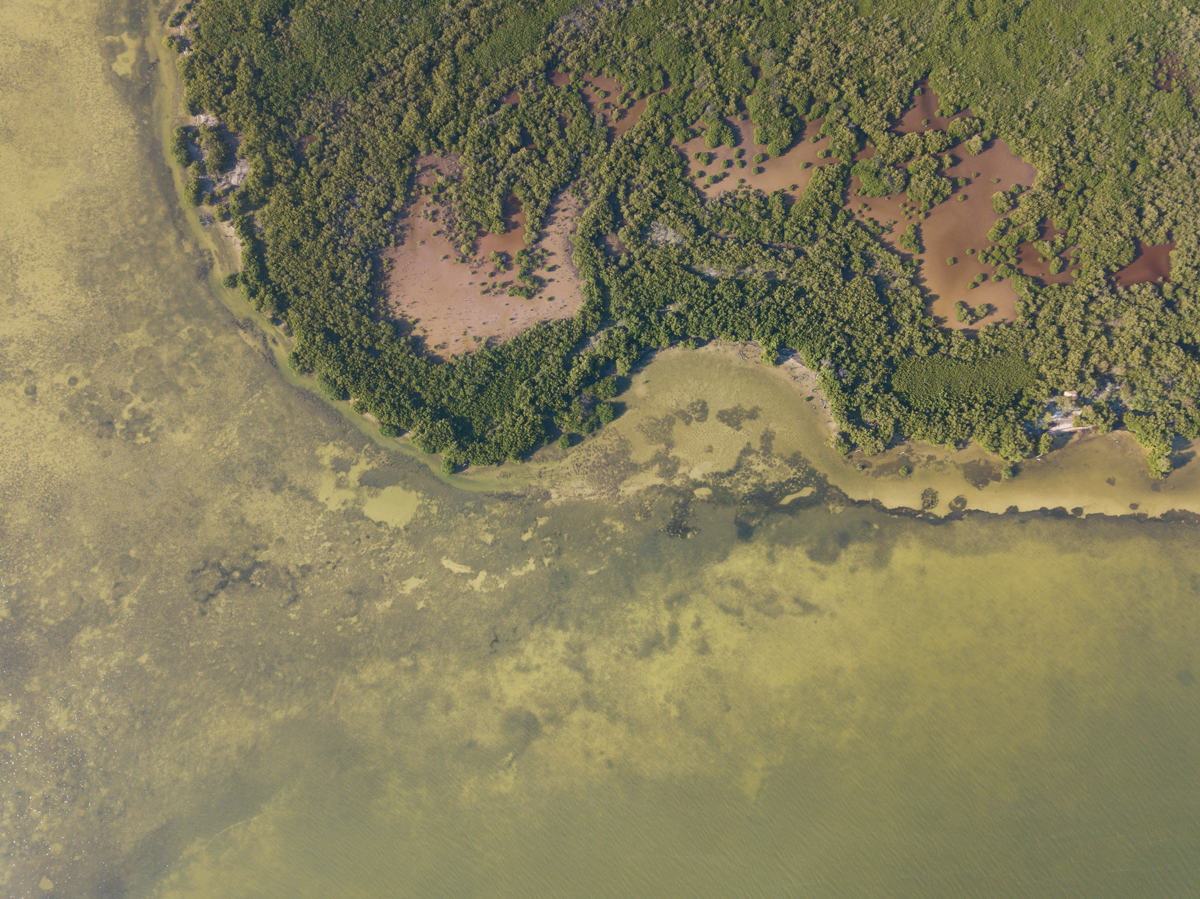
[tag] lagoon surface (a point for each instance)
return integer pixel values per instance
(246, 650)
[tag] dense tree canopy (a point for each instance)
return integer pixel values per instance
(332, 101)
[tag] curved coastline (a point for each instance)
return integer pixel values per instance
(1089, 475)
(247, 649)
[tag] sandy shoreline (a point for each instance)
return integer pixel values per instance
(758, 417)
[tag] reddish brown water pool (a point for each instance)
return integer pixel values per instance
(1032, 263)
(614, 103)
(449, 303)
(923, 114)
(1151, 263)
(452, 304)
(957, 230)
(793, 167)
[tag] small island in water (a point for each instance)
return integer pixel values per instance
(973, 220)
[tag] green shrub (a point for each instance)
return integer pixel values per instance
(718, 134)
(1099, 415)
(932, 383)
(216, 152)
(1155, 438)
(926, 188)
(332, 389)
(193, 188)
(180, 142)
(879, 179)
(910, 240)
(384, 83)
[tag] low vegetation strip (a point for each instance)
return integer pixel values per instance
(939, 383)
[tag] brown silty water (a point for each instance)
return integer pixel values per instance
(925, 113)
(786, 172)
(1152, 263)
(957, 229)
(1032, 263)
(456, 307)
(1172, 72)
(247, 651)
(612, 107)
(790, 171)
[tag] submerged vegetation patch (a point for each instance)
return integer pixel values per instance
(675, 123)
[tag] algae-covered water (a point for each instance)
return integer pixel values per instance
(247, 651)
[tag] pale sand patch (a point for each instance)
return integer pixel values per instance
(226, 229)
(393, 506)
(456, 307)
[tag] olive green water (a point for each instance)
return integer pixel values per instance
(245, 651)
